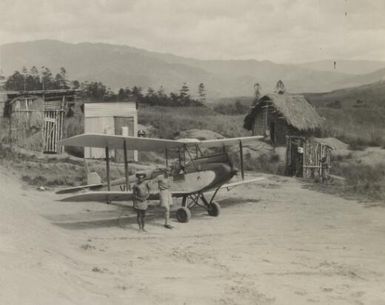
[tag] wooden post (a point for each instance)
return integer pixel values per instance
(288, 148)
(166, 155)
(86, 169)
(10, 128)
(305, 161)
(126, 165)
(184, 154)
(108, 168)
(179, 157)
(241, 156)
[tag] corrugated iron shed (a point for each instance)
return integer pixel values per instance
(112, 118)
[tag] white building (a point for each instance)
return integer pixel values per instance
(112, 118)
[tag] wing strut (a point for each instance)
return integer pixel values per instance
(241, 156)
(108, 168)
(126, 165)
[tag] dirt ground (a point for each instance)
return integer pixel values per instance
(275, 242)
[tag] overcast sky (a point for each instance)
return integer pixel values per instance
(277, 30)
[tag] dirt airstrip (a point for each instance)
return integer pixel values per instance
(275, 242)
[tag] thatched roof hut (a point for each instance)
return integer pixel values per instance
(279, 115)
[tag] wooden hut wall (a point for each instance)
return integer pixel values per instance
(281, 131)
(281, 128)
(26, 124)
(316, 160)
(3, 100)
(3, 120)
(259, 125)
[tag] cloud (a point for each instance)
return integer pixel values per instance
(280, 30)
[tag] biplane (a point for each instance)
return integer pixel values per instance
(200, 170)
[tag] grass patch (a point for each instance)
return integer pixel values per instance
(361, 180)
(170, 121)
(37, 169)
(359, 128)
(366, 180)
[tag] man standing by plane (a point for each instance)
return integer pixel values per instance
(165, 196)
(141, 192)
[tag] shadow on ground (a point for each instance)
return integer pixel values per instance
(125, 217)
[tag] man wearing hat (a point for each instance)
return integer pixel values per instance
(165, 196)
(141, 192)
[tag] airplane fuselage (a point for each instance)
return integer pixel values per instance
(204, 175)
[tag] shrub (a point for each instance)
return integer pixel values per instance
(365, 180)
(266, 163)
(335, 105)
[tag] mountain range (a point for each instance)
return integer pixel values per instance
(120, 66)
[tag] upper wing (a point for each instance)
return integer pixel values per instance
(146, 144)
(228, 141)
(115, 141)
(234, 184)
(112, 196)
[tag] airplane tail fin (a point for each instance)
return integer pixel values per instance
(93, 178)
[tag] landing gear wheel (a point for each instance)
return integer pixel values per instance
(214, 209)
(183, 214)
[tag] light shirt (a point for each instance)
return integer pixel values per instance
(163, 183)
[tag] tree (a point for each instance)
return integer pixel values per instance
(163, 99)
(137, 93)
(280, 87)
(24, 72)
(35, 79)
(2, 80)
(257, 91)
(34, 71)
(184, 91)
(150, 92)
(124, 94)
(184, 94)
(174, 99)
(151, 97)
(61, 79)
(15, 82)
(121, 94)
(202, 93)
(47, 80)
(75, 84)
(95, 90)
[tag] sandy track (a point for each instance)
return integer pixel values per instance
(274, 243)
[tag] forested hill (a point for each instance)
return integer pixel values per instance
(120, 66)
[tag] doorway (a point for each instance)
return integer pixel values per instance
(272, 132)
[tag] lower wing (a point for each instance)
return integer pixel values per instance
(112, 196)
(229, 186)
(79, 188)
(108, 196)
